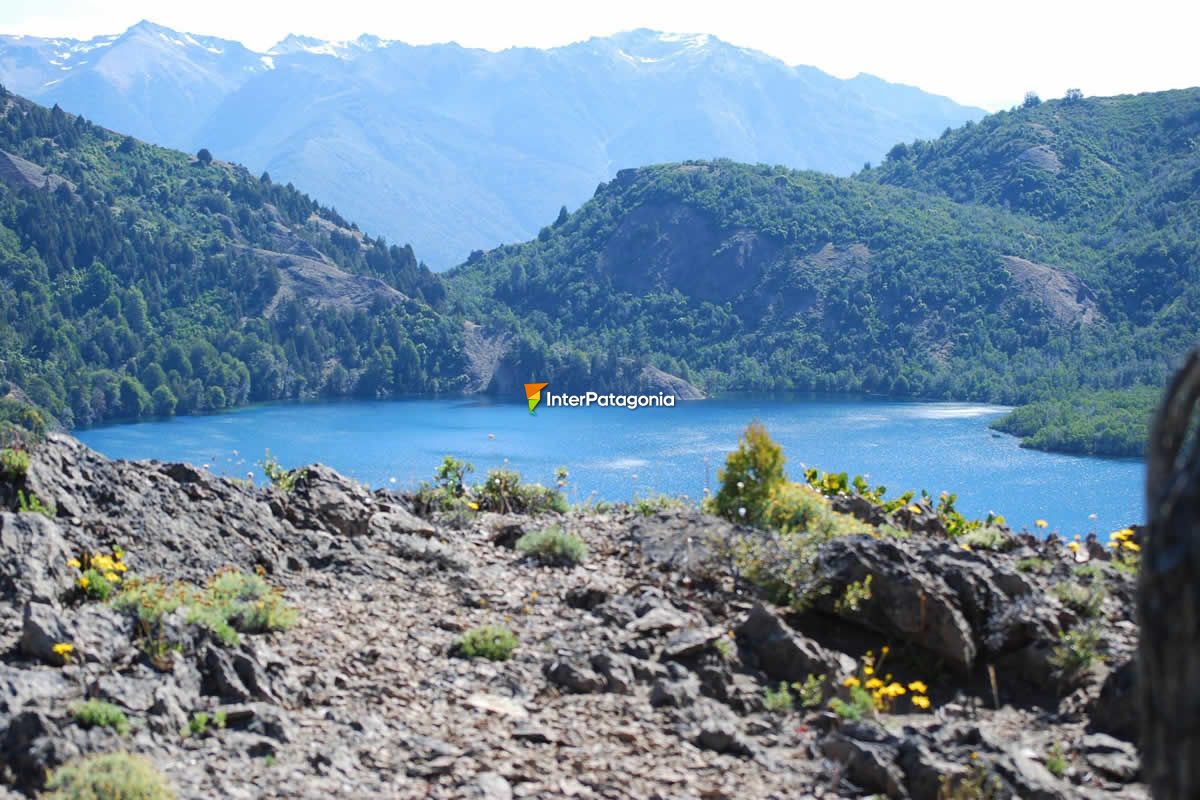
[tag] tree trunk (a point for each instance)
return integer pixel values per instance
(1169, 596)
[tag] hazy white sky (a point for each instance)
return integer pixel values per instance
(986, 54)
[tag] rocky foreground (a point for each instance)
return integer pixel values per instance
(641, 673)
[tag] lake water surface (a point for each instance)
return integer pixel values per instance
(613, 453)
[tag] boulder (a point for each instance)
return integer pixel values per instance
(33, 560)
(786, 655)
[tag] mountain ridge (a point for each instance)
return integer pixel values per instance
(501, 139)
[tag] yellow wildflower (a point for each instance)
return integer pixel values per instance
(851, 682)
(895, 690)
(1134, 546)
(885, 650)
(868, 670)
(63, 648)
(1041, 523)
(112, 577)
(918, 686)
(471, 504)
(1074, 547)
(74, 563)
(83, 581)
(874, 683)
(920, 701)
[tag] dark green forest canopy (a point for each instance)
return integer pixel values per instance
(135, 280)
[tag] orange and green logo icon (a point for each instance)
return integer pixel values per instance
(533, 393)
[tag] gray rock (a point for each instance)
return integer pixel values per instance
(492, 786)
(262, 719)
(659, 619)
(33, 560)
(870, 764)
(503, 529)
(722, 735)
(25, 688)
(1115, 709)
(617, 671)
(691, 642)
(784, 654)
(674, 694)
(1029, 777)
(1111, 756)
(397, 520)
(325, 500)
(415, 548)
(588, 596)
(932, 594)
(43, 627)
(575, 675)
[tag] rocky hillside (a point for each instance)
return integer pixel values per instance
(316, 639)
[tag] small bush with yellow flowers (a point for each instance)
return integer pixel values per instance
(872, 692)
(1127, 553)
(100, 574)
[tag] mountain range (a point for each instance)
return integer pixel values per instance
(456, 149)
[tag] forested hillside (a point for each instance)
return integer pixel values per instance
(741, 277)
(1122, 172)
(139, 281)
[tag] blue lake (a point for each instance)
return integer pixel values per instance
(613, 453)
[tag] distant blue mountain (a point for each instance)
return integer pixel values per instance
(454, 149)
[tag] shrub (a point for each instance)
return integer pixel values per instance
(648, 506)
(111, 776)
(248, 603)
(99, 573)
(725, 649)
(782, 563)
(198, 724)
(14, 464)
(283, 479)
(793, 508)
(812, 691)
(1056, 761)
(859, 706)
(988, 537)
(99, 714)
(977, 784)
(493, 642)
(751, 473)
(232, 602)
(778, 700)
(553, 545)
(30, 503)
(1076, 652)
(1035, 565)
(856, 593)
(503, 492)
(1083, 600)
